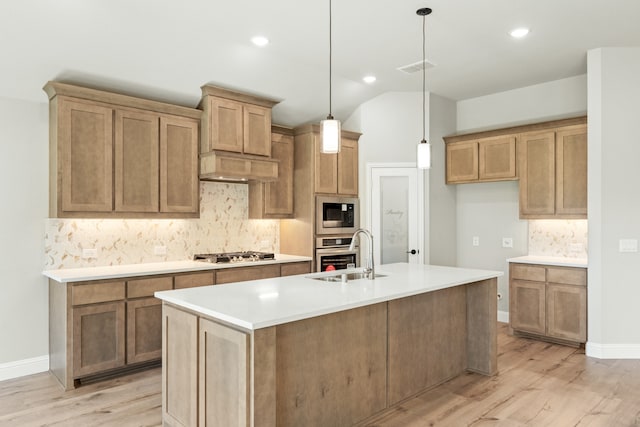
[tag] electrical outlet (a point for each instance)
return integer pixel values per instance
(159, 250)
(576, 247)
(89, 253)
(476, 241)
(264, 244)
(628, 245)
(507, 242)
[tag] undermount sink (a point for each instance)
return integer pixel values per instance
(344, 277)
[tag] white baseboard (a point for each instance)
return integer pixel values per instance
(503, 316)
(20, 368)
(612, 351)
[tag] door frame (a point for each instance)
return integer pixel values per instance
(422, 254)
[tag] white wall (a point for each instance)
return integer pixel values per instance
(24, 169)
(614, 202)
(490, 210)
(391, 125)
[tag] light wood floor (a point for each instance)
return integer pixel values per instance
(539, 384)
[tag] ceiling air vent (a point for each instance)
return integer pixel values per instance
(415, 67)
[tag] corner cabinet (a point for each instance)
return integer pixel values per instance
(115, 156)
(548, 302)
(481, 160)
(236, 136)
(271, 200)
(553, 173)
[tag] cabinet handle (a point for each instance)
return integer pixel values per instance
(413, 252)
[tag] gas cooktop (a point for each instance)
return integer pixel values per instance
(224, 257)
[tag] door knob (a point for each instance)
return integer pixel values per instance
(412, 252)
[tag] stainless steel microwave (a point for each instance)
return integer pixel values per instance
(337, 215)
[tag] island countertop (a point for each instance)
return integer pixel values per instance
(262, 303)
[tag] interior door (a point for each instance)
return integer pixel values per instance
(397, 214)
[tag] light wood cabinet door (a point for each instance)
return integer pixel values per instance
(256, 130)
(275, 199)
(241, 274)
(291, 269)
(571, 171)
(537, 175)
(144, 330)
(497, 158)
(348, 168)
(98, 338)
(567, 312)
(225, 125)
(527, 308)
(326, 169)
(462, 161)
(223, 375)
(85, 149)
(136, 161)
(179, 184)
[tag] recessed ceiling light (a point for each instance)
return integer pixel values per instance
(369, 79)
(260, 41)
(519, 33)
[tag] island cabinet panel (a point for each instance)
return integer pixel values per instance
(224, 383)
(180, 367)
(482, 330)
(331, 370)
(293, 268)
(427, 341)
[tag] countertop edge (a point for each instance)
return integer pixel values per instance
(547, 260)
(150, 269)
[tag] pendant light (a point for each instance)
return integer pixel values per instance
(424, 148)
(330, 128)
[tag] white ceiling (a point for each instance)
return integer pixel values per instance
(167, 49)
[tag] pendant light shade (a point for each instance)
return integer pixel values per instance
(423, 153)
(330, 134)
(330, 128)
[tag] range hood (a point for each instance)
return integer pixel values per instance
(225, 166)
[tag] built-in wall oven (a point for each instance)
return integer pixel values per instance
(333, 253)
(337, 215)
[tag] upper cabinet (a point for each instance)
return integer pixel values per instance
(269, 200)
(476, 159)
(236, 136)
(553, 173)
(335, 174)
(116, 156)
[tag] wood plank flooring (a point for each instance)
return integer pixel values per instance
(538, 384)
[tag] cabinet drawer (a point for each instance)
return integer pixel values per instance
(528, 272)
(195, 279)
(568, 276)
(146, 287)
(241, 274)
(295, 268)
(97, 292)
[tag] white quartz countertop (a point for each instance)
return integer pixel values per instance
(262, 303)
(148, 269)
(550, 260)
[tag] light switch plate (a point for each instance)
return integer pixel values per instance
(159, 250)
(507, 242)
(628, 245)
(476, 241)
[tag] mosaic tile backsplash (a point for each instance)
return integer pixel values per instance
(223, 226)
(559, 238)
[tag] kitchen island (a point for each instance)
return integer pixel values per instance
(296, 350)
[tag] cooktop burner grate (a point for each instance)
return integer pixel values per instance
(243, 256)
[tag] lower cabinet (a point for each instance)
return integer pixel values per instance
(98, 338)
(549, 302)
(104, 325)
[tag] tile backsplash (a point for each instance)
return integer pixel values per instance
(223, 226)
(559, 238)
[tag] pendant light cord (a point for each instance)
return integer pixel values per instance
(424, 72)
(330, 51)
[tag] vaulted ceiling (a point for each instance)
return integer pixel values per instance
(167, 49)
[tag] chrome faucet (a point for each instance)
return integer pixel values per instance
(369, 270)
